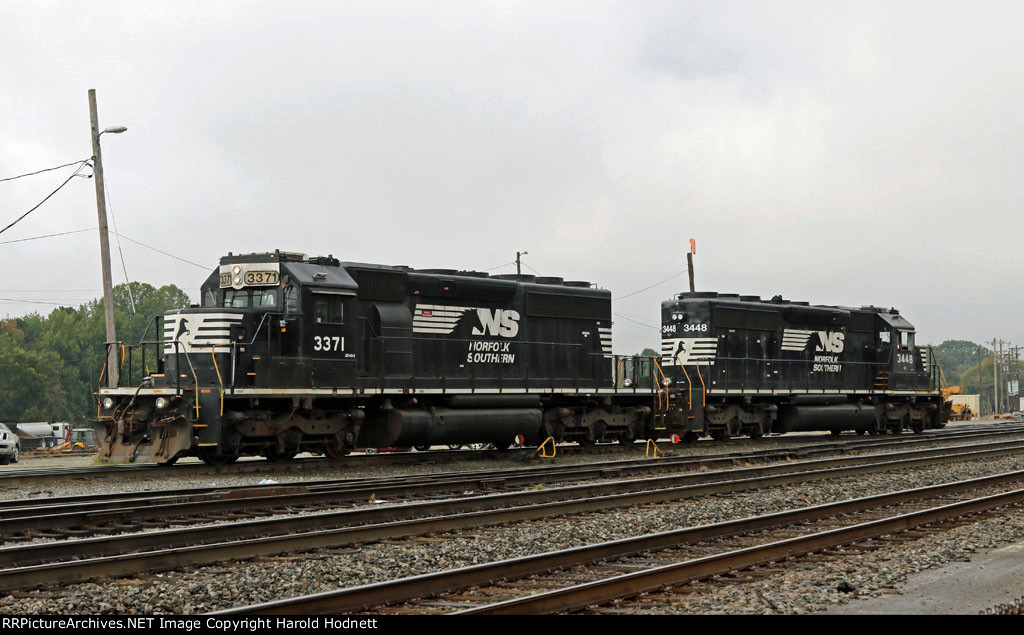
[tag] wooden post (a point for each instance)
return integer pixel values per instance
(113, 359)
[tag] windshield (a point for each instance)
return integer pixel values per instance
(244, 298)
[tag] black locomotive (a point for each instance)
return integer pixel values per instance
(289, 353)
(776, 366)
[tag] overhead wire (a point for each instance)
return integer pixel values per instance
(205, 268)
(21, 176)
(22, 240)
(110, 206)
(500, 266)
(39, 204)
(629, 295)
(644, 324)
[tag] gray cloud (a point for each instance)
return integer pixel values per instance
(845, 153)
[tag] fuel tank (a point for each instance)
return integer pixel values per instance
(441, 426)
(804, 418)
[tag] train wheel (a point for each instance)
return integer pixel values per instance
(920, 425)
(211, 458)
(334, 451)
(421, 448)
(454, 446)
(836, 433)
(721, 434)
(274, 456)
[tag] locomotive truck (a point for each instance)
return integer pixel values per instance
(289, 353)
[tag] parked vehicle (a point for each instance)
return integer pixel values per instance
(10, 446)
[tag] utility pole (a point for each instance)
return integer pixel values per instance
(101, 211)
(519, 268)
(995, 377)
(689, 262)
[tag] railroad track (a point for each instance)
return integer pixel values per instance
(613, 577)
(83, 516)
(78, 560)
(42, 475)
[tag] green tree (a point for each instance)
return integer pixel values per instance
(51, 365)
(957, 356)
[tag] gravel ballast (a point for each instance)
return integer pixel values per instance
(798, 591)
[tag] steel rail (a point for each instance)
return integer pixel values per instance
(346, 495)
(26, 509)
(136, 511)
(366, 597)
(206, 545)
(631, 584)
(259, 466)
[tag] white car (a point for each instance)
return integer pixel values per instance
(10, 446)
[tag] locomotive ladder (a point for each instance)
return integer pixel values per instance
(664, 404)
(882, 380)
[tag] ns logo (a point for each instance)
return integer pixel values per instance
(830, 342)
(499, 322)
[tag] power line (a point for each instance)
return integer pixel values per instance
(626, 317)
(68, 180)
(500, 266)
(64, 303)
(629, 295)
(21, 176)
(532, 269)
(110, 206)
(205, 268)
(21, 240)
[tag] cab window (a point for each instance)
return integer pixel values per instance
(266, 298)
(236, 299)
(884, 338)
(210, 298)
(291, 300)
(327, 309)
(906, 339)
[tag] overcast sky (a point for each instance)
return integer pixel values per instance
(834, 152)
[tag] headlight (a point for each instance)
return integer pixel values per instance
(108, 403)
(667, 381)
(627, 383)
(162, 403)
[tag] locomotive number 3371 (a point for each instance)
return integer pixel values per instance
(328, 343)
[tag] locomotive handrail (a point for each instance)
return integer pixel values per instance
(142, 339)
(703, 387)
(689, 386)
(216, 367)
(725, 376)
(260, 326)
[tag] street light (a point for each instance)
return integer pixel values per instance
(519, 255)
(113, 366)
